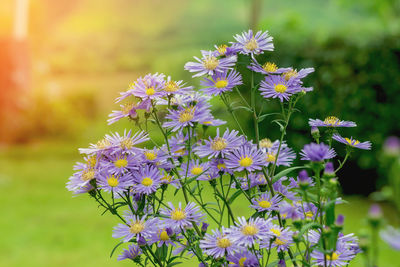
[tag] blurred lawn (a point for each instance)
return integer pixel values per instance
(43, 225)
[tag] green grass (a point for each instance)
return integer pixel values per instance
(43, 225)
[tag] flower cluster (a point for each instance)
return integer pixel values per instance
(162, 193)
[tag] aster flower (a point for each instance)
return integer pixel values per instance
(285, 190)
(286, 154)
(102, 146)
(79, 182)
(194, 168)
(281, 238)
(247, 233)
(296, 76)
(135, 227)
(221, 82)
(155, 156)
(352, 142)
(265, 202)
(219, 145)
(275, 86)
(243, 258)
(224, 50)
(126, 143)
(162, 237)
(185, 116)
(253, 179)
(131, 253)
(172, 87)
(177, 144)
(147, 179)
(218, 245)
(339, 257)
(247, 157)
(218, 165)
(114, 183)
(180, 218)
(331, 121)
(317, 152)
(391, 236)
(290, 211)
(248, 43)
(129, 110)
(119, 163)
(266, 68)
(148, 87)
(210, 64)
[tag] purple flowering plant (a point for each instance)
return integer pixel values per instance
(291, 209)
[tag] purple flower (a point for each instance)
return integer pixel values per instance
(162, 237)
(339, 257)
(391, 236)
(219, 145)
(267, 68)
(149, 87)
(114, 183)
(317, 152)
(126, 143)
(210, 64)
(185, 116)
(392, 145)
(147, 179)
(221, 82)
(283, 238)
(219, 244)
(248, 43)
(265, 202)
(352, 142)
(180, 218)
(129, 110)
(195, 168)
(275, 86)
(131, 253)
(119, 163)
(331, 121)
(243, 258)
(247, 157)
(172, 87)
(135, 227)
(304, 179)
(329, 169)
(286, 154)
(247, 233)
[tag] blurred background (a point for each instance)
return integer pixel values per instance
(63, 62)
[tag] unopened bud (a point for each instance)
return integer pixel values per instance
(340, 220)
(141, 241)
(204, 227)
(329, 170)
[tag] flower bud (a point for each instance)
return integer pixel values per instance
(141, 241)
(315, 133)
(375, 212)
(304, 179)
(204, 227)
(281, 263)
(329, 170)
(169, 231)
(392, 146)
(339, 220)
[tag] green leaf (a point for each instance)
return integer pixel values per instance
(308, 226)
(234, 196)
(112, 251)
(330, 212)
(285, 172)
(243, 107)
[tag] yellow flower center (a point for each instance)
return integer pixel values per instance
(88, 175)
(180, 151)
(127, 108)
(126, 143)
(103, 143)
(171, 86)
(221, 84)
(245, 161)
(277, 232)
(270, 157)
(92, 161)
(221, 166)
(206, 122)
(120, 163)
(112, 181)
(309, 214)
(178, 214)
(270, 67)
(280, 242)
(186, 115)
(265, 143)
(249, 230)
(332, 257)
(351, 142)
(241, 261)
(164, 236)
(290, 74)
(264, 204)
(224, 243)
(222, 49)
(136, 227)
(167, 177)
(251, 44)
(210, 63)
(331, 120)
(218, 144)
(150, 91)
(280, 88)
(197, 170)
(147, 181)
(150, 155)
